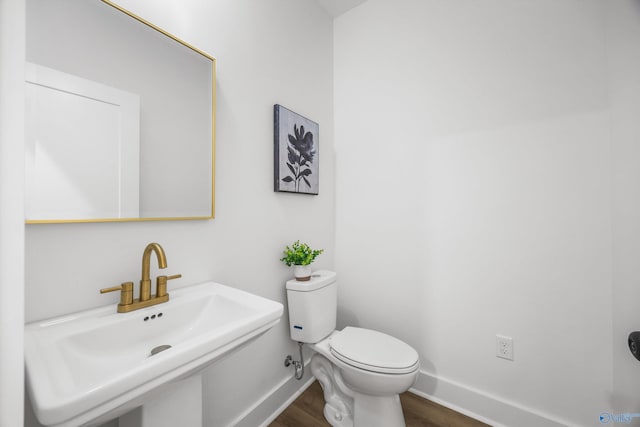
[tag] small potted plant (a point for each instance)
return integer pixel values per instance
(300, 256)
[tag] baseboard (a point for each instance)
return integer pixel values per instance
(482, 406)
(273, 403)
(477, 404)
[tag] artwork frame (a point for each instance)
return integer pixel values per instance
(296, 152)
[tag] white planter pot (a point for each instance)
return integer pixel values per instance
(302, 272)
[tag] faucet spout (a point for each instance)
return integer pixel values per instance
(146, 259)
(145, 283)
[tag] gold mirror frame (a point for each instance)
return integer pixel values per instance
(213, 146)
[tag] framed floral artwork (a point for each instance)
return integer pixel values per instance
(295, 152)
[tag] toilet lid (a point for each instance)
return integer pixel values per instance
(373, 351)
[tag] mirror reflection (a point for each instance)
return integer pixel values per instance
(120, 117)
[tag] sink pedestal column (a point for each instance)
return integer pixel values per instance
(175, 404)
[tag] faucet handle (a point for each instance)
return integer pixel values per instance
(161, 284)
(126, 296)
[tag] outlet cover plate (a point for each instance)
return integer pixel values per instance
(504, 347)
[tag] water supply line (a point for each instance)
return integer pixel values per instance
(298, 365)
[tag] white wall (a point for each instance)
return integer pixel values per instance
(12, 52)
(623, 25)
(474, 165)
(276, 51)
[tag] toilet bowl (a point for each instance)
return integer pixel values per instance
(362, 371)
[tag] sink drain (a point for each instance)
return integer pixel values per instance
(160, 348)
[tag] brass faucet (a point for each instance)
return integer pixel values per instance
(145, 283)
(127, 303)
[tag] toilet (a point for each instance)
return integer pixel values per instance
(362, 371)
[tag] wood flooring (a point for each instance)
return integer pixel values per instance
(306, 411)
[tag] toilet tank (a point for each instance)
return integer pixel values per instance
(312, 306)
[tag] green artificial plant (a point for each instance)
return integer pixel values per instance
(299, 254)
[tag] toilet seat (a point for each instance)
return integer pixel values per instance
(373, 351)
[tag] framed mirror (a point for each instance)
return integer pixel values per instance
(120, 117)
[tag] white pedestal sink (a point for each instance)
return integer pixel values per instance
(92, 366)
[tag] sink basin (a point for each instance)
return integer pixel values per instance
(98, 362)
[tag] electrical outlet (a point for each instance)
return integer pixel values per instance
(504, 347)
